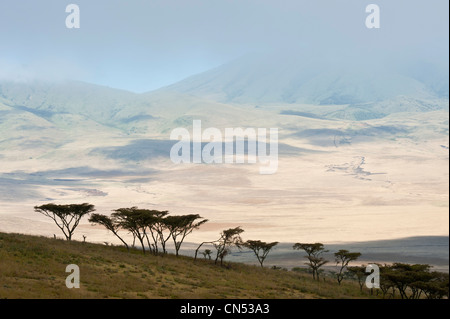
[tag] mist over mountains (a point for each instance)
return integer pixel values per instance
(298, 77)
(257, 90)
(365, 89)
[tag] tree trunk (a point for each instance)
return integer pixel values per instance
(126, 245)
(196, 251)
(177, 249)
(141, 240)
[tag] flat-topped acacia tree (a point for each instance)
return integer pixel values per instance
(314, 252)
(137, 222)
(181, 226)
(142, 223)
(66, 217)
(228, 238)
(343, 258)
(260, 248)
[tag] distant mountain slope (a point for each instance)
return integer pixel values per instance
(368, 111)
(301, 78)
(50, 102)
(36, 102)
(37, 117)
(46, 99)
(364, 90)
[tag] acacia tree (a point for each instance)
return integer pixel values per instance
(207, 253)
(229, 238)
(199, 246)
(437, 287)
(66, 217)
(315, 260)
(134, 220)
(387, 287)
(109, 223)
(146, 225)
(260, 248)
(360, 273)
(414, 281)
(181, 226)
(157, 226)
(409, 279)
(343, 257)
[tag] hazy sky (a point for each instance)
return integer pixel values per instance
(140, 45)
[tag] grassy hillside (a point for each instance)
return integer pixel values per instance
(34, 267)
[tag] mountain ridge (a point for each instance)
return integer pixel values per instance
(270, 79)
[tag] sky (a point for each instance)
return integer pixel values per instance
(142, 45)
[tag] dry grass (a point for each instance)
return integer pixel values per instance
(34, 267)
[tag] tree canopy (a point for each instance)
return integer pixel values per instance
(343, 258)
(260, 248)
(151, 227)
(228, 238)
(314, 252)
(109, 223)
(66, 217)
(181, 226)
